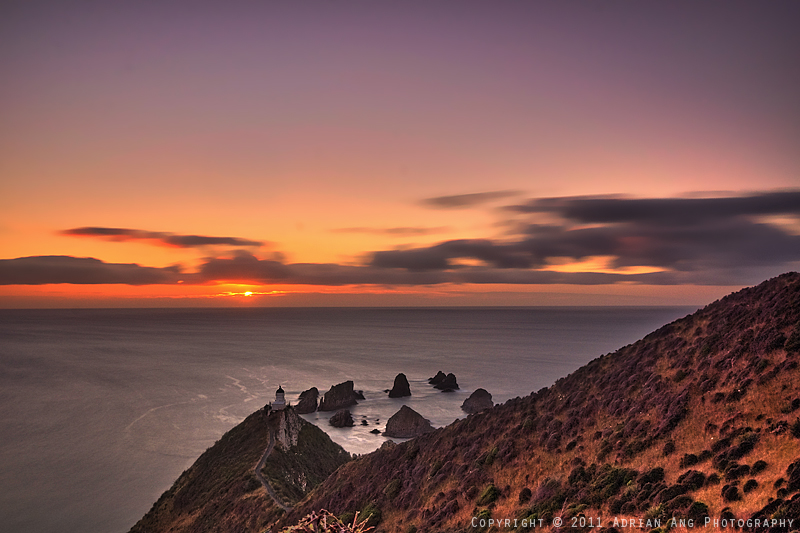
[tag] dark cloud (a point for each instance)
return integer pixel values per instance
(461, 201)
(673, 211)
(243, 267)
(41, 270)
(398, 232)
(682, 235)
(164, 238)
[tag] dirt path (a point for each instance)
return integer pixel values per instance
(263, 480)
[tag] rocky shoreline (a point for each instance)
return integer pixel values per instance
(404, 423)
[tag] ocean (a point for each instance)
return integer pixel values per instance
(101, 410)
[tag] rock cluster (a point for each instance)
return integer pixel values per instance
(341, 419)
(445, 383)
(401, 387)
(407, 423)
(478, 401)
(340, 396)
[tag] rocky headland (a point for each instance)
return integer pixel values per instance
(699, 420)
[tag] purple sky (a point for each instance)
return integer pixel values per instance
(323, 129)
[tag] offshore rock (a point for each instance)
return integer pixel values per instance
(448, 384)
(342, 419)
(401, 387)
(307, 403)
(478, 401)
(407, 423)
(438, 378)
(339, 396)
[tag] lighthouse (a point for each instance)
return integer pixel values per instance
(280, 401)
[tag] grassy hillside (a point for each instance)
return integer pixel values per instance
(220, 493)
(699, 418)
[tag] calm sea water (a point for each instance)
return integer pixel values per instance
(101, 410)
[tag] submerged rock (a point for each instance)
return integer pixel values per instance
(307, 403)
(478, 401)
(448, 384)
(401, 387)
(407, 423)
(342, 419)
(339, 396)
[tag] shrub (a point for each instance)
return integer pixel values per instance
(698, 511)
(484, 514)
(525, 495)
(392, 489)
(736, 471)
(489, 459)
(651, 476)
(793, 342)
(758, 466)
(371, 514)
(669, 448)
(489, 495)
(324, 522)
(693, 479)
(689, 459)
(751, 484)
(435, 467)
(795, 428)
(730, 493)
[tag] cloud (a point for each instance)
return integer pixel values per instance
(697, 235)
(396, 232)
(673, 211)
(462, 201)
(705, 241)
(161, 237)
(41, 270)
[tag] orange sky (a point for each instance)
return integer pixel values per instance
(325, 142)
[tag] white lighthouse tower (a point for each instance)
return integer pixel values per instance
(280, 401)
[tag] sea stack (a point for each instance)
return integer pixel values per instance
(307, 403)
(401, 387)
(407, 423)
(478, 401)
(342, 419)
(339, 397)
(448, 384)
(438, 378)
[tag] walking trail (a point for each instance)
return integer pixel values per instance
(280, 503)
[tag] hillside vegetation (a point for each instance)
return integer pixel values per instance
(220, 492)
(698, 419)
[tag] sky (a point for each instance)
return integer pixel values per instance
(279, 153)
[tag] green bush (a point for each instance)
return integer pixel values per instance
(489, 495)
(392, 488)
(372, 514)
